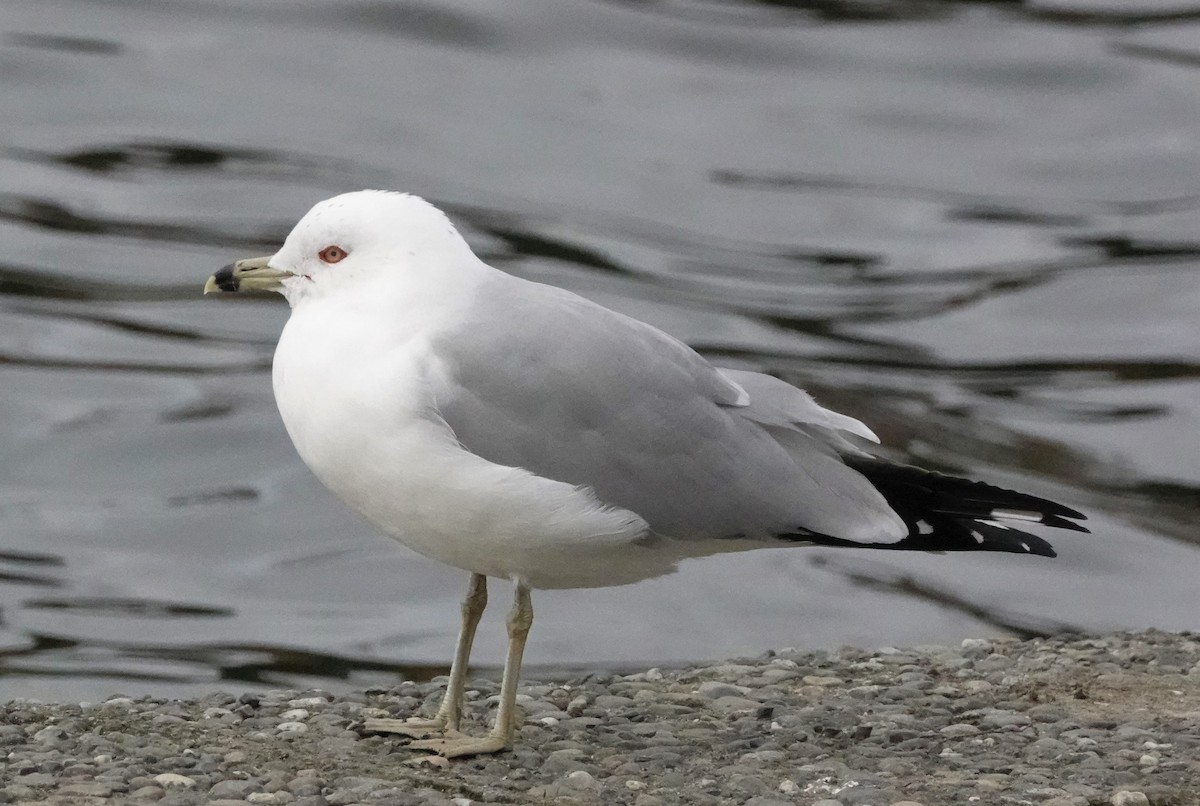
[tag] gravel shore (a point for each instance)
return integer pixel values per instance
(1103, 720)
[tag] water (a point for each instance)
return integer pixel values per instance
(971, 225)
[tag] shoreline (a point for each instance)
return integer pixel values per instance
(1112, 719)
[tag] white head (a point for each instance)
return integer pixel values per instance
(348, 240)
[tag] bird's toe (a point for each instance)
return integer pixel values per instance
(413, 728)
(458, 746)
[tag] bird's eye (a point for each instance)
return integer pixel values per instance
(332, 254)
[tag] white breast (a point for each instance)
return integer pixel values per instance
(355, 398)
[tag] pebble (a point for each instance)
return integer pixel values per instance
(989, 721)
(817, 680)
(730, 704)
(958, 730)
(713, 690)
(234, 789)
(171, 779)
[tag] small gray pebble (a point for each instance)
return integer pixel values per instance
(729, 704)
(234, 788)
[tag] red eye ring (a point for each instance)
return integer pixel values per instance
(332, 254)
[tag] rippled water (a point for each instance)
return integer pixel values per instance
(973, 226)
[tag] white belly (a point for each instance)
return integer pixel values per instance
(358, 408)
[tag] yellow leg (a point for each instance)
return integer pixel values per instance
(520, 618)
(450, 712)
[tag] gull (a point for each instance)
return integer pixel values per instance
(518, 431)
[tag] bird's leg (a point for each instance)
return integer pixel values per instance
(450, 712)
(520, 618)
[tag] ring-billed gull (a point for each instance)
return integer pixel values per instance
(516, 430)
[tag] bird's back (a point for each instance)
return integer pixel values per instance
(539, 378)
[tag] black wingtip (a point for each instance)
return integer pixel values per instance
(1067, 512)
(1037, 546)
(1062, 523)
(948, 513)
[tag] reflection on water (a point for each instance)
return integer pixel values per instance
(971, 225)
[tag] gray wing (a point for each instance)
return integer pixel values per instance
(776, 406)
(539, 378)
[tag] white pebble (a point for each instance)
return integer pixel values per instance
(261, 797)
(580, 779)
(294, 715)
(291, 727)
(788, 787)
(548, 721)
(307, 702)
(1130, 798)
(1148, 760)
(634, 785)
(169, 779)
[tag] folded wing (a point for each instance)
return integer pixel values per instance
(542, 379)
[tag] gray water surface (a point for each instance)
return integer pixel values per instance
(973, 226)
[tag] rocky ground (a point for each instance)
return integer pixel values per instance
(1107, 720)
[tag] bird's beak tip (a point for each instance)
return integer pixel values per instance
(251, 274)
